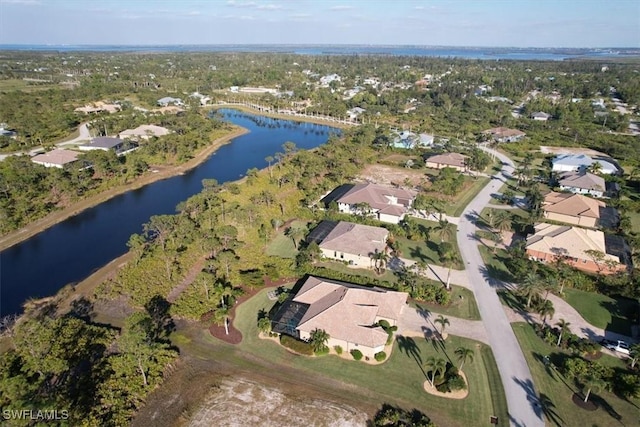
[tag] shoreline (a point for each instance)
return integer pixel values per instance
(40, 225)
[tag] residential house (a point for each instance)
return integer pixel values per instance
(408, 140)
(581, 248)
(104, 143)
(577, 209)
(7, 132)
(349, 242)
(56, 158)
(348, 313)
(168, 100)
(387, 204)
(326, 80)
(447, 160)
(98, 107)
(501, 134)
(541, 116)
(355, 112)
(580, 163)
(144, 132)
(582, 183)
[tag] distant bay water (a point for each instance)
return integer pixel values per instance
(483, 53)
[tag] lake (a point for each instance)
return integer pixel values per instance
(70, 251)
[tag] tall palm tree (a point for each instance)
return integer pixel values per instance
(564, 328)
(464, 355)
(264, 325)
(318, 340)
(546, 309)
(634, 352)
(449, 257)
(502, 221)
(380, 260)
(436, 367)
(592, 381)
(443, 321)
(221, 317)
(296, 234)
(445, 229)
(530, 287)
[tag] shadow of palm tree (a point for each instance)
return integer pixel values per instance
(532, 397)
(549, 410)
(602, 403)
(408, 346)
(416, 253)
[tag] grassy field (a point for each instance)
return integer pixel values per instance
(495, 263)
(398, 381)
(19, 84)
(421, 250)
(635, 221)
(462, 200)
(463, 305)
(557, 391)
(364, 272)
(602, 311)
(282, 245)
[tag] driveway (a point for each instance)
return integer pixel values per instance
(419, 322)
(522, 398)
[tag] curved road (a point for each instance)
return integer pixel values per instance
(83, 136)
(522, 399)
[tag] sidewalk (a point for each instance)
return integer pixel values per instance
(420, 323)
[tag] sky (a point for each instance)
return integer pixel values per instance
(486, 23)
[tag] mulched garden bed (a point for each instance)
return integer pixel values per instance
(578, 400)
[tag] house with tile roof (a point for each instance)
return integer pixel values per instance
(582, 183)
(144, 132)
(349, 242)
(576, 209)
(574, 244)
(349, 313)
(501, 134)
(56, 158)
(447, 160)
(387, 204)
(541, 116)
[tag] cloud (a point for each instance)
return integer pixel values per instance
(341, 7)
(22, 2)
(270, 7)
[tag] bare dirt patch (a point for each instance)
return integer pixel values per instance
(572, 150)
(389, 175)
(244, 403)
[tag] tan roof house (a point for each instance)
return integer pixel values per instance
(98, 107)
(501, 134)
(582, 183)
(144, 132)
(56, 158)
(347, 312)
(552, 241)
(349, 242)
(388, 204)
(573, 209)
(448, 160)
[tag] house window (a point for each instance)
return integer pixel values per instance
(341, 255)
(335, 254)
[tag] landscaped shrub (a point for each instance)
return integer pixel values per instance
(357, 354)
(380, 356)
(338, 349)
(296, 345)
(323, 351)
(384, 324)
(456, 382)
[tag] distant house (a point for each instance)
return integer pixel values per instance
(167, 100)
(408, 140)
(580, 163)
(349, 242)
(577, 209)
(541, 116)
(144, 132)
(6, 132)
(203, 98)
(348, 313)
(582, 183)
(355, 112)
(325, 80)
(501, 134)
(98, 107)
(448, 160)
(388, 204)
(104, 143)
(56, 158)
(577, 246)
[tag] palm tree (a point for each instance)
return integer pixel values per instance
(634, 352)
(264, 325)
(546, 309)
(502, 221)
(445, 229)
(295, 233)
(380, 260)
(592, 381)
(564, 328)
(464, 355)
(435, 366)
(449, 257)
(443, 321)
(530, 287)
(221, 317)
(318, 340)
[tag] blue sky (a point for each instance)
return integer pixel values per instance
(521, 23)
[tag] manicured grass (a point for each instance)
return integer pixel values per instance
(495, 263)
(281, 246)
(338, 266)
(557, 390)
(399, 380)
(463, 305)
(635, 220)
(602, 311)
(421, 250)
(462, 200)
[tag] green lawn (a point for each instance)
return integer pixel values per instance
(463, 305)
(281, 245)
(420, 250)
(635, 220)
(397, 381)
(602, 311)
(495, 263)
(365, 272)
(557, 390)
(462, 200)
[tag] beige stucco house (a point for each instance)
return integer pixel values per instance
(573, 209)
(448, 160)
(349, 242)
(582, 183)
(347, 312)
(57, 158)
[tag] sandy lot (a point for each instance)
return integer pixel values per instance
(572, 150)
(244, 403)
(383, 174)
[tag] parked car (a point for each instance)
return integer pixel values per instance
(619, 346)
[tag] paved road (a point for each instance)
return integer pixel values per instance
(82, 137)
(522, 398)
(415, 322)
